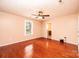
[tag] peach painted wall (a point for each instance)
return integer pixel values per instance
(12, 29)
(78, 33)
(63, 26)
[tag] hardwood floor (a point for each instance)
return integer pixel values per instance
(39, 48)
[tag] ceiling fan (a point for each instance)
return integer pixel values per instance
(40, 14)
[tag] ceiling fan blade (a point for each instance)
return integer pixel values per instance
(34, 15)
(46, 15)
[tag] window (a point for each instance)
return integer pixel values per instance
(28, 27)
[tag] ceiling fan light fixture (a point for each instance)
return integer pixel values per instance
(39, 17)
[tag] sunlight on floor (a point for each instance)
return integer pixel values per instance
(28, 50)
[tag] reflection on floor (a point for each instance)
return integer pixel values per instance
(39, 48)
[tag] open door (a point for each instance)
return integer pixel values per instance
(49, 31)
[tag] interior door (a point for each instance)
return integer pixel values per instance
(49, 31)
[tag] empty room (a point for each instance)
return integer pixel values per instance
(39, 28)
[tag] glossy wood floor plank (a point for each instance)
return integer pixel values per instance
(39, 48)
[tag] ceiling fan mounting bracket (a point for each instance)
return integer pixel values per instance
(60, 1)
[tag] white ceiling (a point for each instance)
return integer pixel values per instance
(29, 7)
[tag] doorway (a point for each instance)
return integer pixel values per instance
(49, 30)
